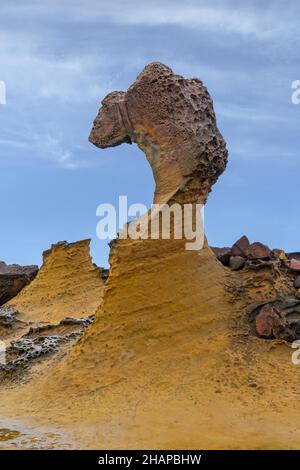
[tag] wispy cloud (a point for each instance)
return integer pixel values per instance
(43, 91)
(30, 70)
(238, 21)
(43, 146)
(60, 69)
(246, 113)
(261, 20)
(59, 58)
(257, 150)
(54, 148)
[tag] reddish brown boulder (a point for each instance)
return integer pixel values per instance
(240, 247)
(264, 321)
(258, 250)
(271, 324)
(172, 120)
(295, 265)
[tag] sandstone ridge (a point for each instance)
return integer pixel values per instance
(67, 285)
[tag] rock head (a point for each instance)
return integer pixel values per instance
(172, 120)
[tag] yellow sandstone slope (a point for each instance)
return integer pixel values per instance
(169, 361)
(67, 285)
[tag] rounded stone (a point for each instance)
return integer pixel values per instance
(236, 262)
(297, 282)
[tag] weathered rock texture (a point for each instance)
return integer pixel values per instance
(170, 362)
(13, 278)
(40, 343)
(67, 285)
(172, 120)
(171, 351)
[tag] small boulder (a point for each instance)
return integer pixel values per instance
(236, 262)
(258, 250)
(240, 246)
(264, 321)
(282, 330)
(297, 282)
(295, 264)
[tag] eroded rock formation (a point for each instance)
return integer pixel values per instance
(170, 361)
(172, 120)
(13, 278)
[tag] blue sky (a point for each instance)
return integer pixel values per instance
(60, 58)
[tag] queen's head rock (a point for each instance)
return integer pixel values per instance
(174, 356)
(172, 120)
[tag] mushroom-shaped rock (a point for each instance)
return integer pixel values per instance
(173, 121)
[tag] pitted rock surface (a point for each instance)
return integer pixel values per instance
(42, 341)
(173, 121)
(7, 316)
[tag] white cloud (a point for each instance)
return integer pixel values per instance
(52, 148)
(43, 146)
(40, 84)
(226, 16)
(225, 19)
(260, 150)
(37, 72)
(28, 70)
